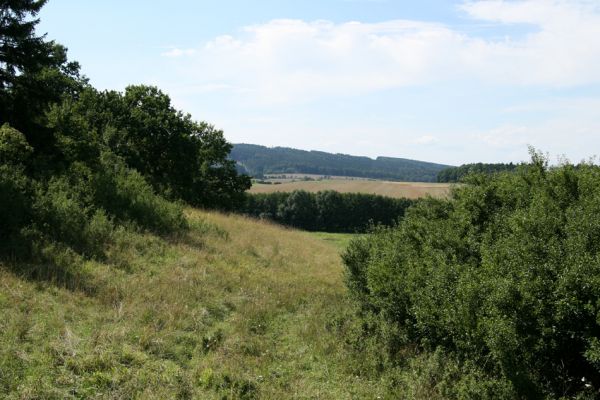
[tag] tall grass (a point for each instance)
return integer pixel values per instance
(235, 308)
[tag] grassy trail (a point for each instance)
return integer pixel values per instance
(237, 308)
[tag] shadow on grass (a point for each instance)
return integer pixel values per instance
(70, 278)
(52, 263)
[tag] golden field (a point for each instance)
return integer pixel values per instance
(411, 190)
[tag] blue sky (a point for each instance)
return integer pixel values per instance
(443, 81)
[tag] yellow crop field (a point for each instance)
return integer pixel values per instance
(411, 190)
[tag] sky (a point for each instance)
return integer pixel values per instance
(436, 80)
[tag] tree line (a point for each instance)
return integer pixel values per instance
(327, 211)
(79, 165)
(457, 174)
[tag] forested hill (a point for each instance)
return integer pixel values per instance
(258, 160)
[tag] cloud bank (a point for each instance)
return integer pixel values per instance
(293, 60)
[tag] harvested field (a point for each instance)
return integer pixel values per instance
(411, 190)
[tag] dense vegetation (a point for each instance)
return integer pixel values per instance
(326, 211)
(260, 160)
(78, 165)
(495, 292)
(457, 174)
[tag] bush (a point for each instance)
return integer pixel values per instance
(125, 194)
(505, 276)
(15, 208)
(15, 189)
(14, 149)
(77, 210)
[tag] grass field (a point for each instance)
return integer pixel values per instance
(411, 190)
(237, 308)
(339, 240)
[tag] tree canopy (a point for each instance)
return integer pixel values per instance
(76, 162)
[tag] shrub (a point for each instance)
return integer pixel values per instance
(15, 208)
(15, 189)
(78, 209)
(505, 276)
(14, 148)
(124, 193)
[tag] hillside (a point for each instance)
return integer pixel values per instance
(258, 161)
(214, 314)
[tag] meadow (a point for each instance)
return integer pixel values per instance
(235, 308)
(410, 190)
(114, 285)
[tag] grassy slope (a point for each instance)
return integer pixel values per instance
(237, 309)
(411, 190)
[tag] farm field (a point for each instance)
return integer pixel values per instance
(215, 314)
(411, 190)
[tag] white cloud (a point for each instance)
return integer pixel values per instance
(506, 136)
(425, 139)
(294, 60)
(563, 50)
(175, 52)
(573, 129)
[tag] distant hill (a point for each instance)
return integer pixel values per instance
(258, 160)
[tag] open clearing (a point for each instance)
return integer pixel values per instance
(236, 308)
(411, 190)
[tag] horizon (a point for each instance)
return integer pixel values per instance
(448, 82)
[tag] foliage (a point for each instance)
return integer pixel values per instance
(126, 195)
(327, 211)
(34, 73)
(181, 158)
(14, 149)
(260, 160)
(457, 174)
(77, 165)
(505, 277)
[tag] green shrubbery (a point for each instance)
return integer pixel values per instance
(72, 213)
(504, 279)
(78, 165)
(327, 211)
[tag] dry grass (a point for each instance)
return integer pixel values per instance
(236, 309)
(411, 190)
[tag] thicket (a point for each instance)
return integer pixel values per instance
(326, 211)
(78, 166)
(457, 174)
(494, 293)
